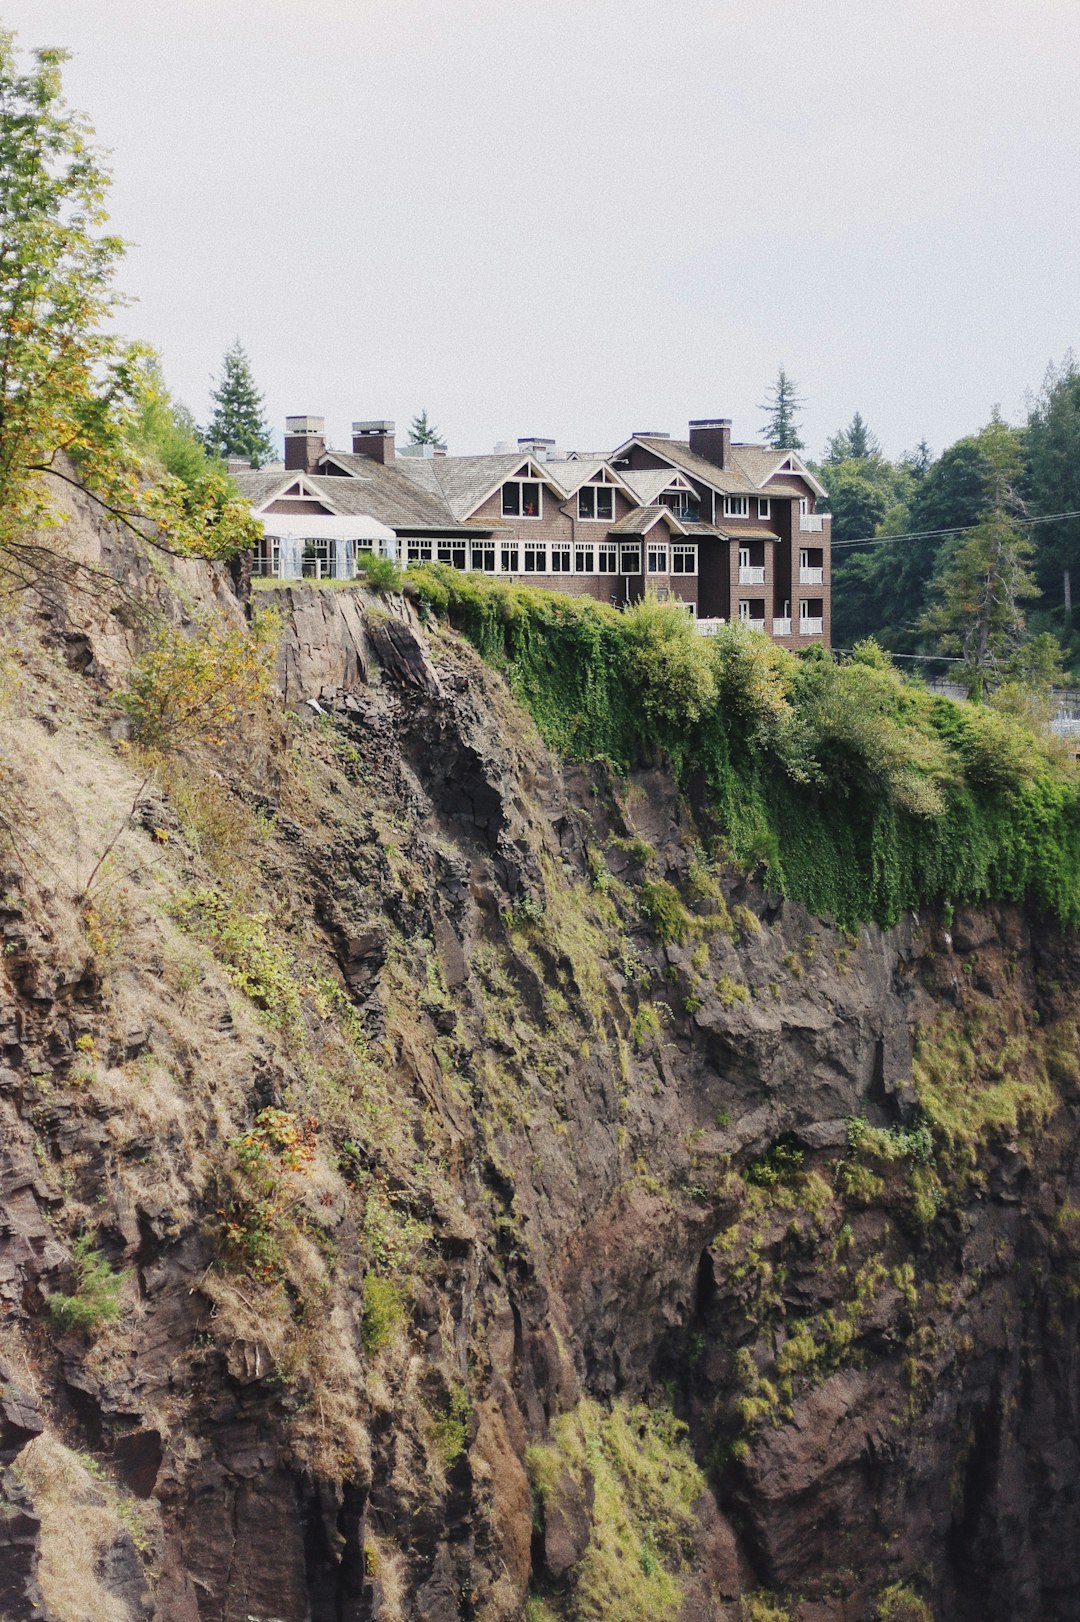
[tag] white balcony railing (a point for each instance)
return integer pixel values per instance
(813, 523)
(811, 577)
(751, 574)
(781, 627)
(708, 627)
(811, 627)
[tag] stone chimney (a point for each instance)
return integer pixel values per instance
(710, 437)
(374, 439)
(305, 442)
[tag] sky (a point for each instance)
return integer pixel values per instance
(586, 218)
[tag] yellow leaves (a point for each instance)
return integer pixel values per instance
(192, 689)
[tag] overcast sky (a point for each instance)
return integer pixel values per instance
(579, 218)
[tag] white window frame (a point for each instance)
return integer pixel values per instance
(525, 517)
(562, 557)
(594, 517)
(419, 550)
(683, 552)
(804, 506)
(486, 549)
(584, 557)
(744, 611)
(659, 551)
(744, 557)
(630, 552)
(607, 558)
(445, 550)
(736, 506)
(268, 558)
(323, 557)
(764, 507)
(509, 557)
(531, 551)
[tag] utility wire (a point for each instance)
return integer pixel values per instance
(932, 534)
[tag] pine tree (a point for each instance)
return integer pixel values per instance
(781, 429)
(238, 426)
(422, 432)
(854, 443)
(979, 612)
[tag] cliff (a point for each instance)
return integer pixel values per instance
(437, 1182)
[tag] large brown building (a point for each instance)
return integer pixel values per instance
(731, 530)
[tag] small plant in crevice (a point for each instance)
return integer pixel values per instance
(95, 1300)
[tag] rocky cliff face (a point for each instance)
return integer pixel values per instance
(477, 1199)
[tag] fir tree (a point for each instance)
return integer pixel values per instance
(422, 432)
(979, 613)
(854, 443)
(781, 428)
(238, 426)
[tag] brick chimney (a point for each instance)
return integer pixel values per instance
(374, 439)
(305, 442)
(710, 437)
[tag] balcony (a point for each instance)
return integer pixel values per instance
(781, 627)
(813, 523)
(811, 627)
(809, 576)
(708, 627)
(751, 574)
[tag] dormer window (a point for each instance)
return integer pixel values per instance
(521, 498)
(596, 502)
(764, 507)
(736, 506)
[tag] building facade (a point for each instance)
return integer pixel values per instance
(732, 531)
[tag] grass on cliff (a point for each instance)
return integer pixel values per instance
(644, 1483)
(855, 792)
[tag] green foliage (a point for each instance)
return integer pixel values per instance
(452, 1426)
(781, 427)
(645, 1027)
(645, 1483)
(423, 432)
(194, 688)
(380, 574)
(859, 795)
(899, 1603)
(662, 906)
(238, 427)
(383, 1315)
(96, 1299)
(779, 1164)
(256, 964)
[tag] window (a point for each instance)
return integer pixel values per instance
(658, 557)
(317, 564)
(583, 560)
(680, 502)
(736, 506)
(452, 552)
(804, 506)
(483, 557)
(521, 499)
(418, 551)
(508, 557)
(764, 507)
(596, 501)
(607, 560)
(683, 559)
(268, 557)
(560, 557)
(752, 609)
(744, 557)
(535, 557)
(630, 559)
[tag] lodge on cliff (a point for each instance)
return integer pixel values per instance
(730, 530)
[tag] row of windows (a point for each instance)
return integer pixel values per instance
(554, 557)
(739, 507)
(523, 498)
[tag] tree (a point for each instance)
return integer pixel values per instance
(238, 426)
(72, 393)
(855, 443)
(980, 593)
(1053, 447)
(781, 428)
(422, 432)
(59, 365)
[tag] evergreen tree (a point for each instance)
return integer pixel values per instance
(979, 612)
(781, 429)
(422, 432)
(852, 444)
(238, 426)
(1053, 447)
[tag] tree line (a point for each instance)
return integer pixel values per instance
(959, 555)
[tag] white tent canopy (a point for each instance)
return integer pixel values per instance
(335, 536)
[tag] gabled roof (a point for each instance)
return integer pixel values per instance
(572, 475)
(642, 519)
(677, 453)
(258, 487)
(647, 483)
(466, 482)
(762, 463)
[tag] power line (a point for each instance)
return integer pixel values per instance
(933, 534)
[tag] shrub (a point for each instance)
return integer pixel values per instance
(384, 1311)
(98, 1288)
(381, 574)
(666, 662)
(662, 906)
(194, 688)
